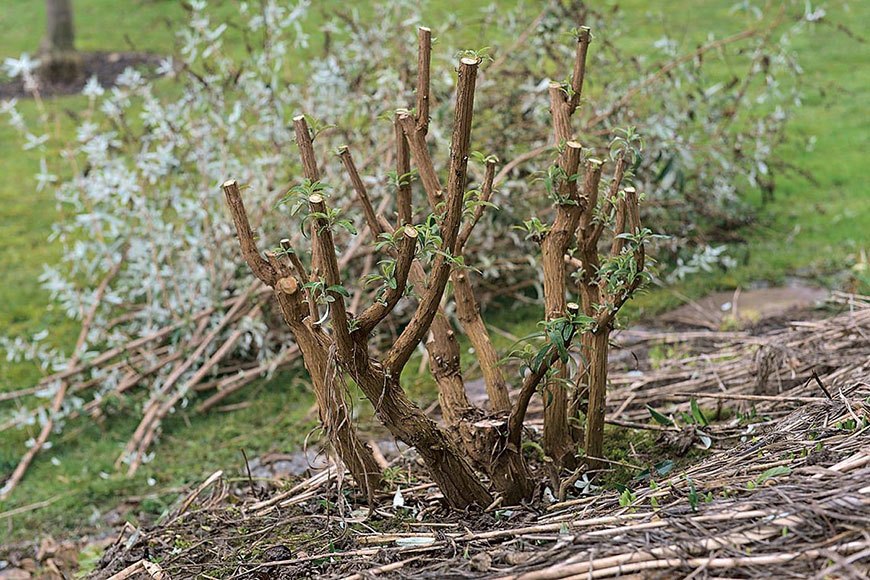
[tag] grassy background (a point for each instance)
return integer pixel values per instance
(811, 231)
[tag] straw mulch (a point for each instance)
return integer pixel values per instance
(784, 492)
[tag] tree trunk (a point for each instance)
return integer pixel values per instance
(61, 64)
(59, 25)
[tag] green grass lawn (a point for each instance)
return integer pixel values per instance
(812, 231)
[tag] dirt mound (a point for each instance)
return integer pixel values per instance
(781, 491)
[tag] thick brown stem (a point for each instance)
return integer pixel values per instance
(424, 59)
(378, 311)
(298, 266)
(442, 346)
(560, 112)
(486, 442)
(511, 477)
(261, 268)
(428, 307)
(312, 174)
(557, 441)
(631, 213)
(422, 159)
(328, 389)
(579, 73)
(403, 170)
(306, 148)
(588, 244)
(589, 291)
(561, 234)
(591, 233)
(595, 296)
(596, 379)
(619, 227)
(332, 277)
(335, 415)
(358, 186)
(468, 313)
(444, 460)
(443, 349)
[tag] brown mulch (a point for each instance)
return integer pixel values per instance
(106, 66)
(784, 491)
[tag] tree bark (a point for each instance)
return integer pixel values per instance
(596, 379)
(446, 463)
(557, 440)
(441, 345)
(334, 413)
(331, 404)
(468, 313)
(60, 61)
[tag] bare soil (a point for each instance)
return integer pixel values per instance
(742, 308)
(106, 66)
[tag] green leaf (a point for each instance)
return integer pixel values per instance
(664, 467)
(698, 415)
(338, 289)
(347, 226)
(626, 498)
(774, 472)
(538, 361)
(659, 418)
(693, 494)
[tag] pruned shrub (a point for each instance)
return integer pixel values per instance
(149, 266)
(429, 251)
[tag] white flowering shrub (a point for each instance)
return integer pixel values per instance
(140, 189)
(706, 259)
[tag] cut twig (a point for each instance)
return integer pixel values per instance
(424, 59)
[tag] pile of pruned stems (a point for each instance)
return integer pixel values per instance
(783, 492)
(141, 359)
(804, 361)
(207, 363)
(487, 440)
